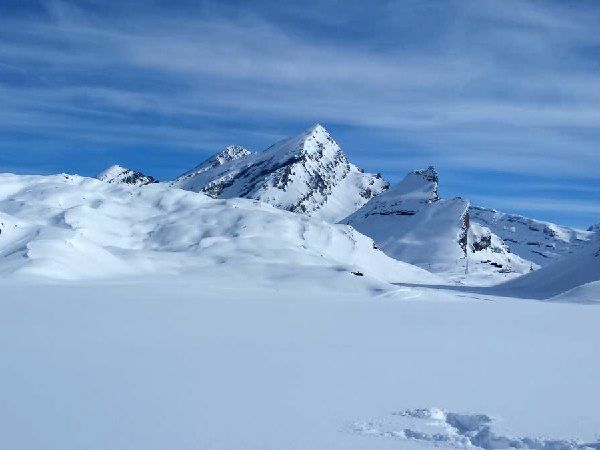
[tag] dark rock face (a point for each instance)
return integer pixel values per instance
(463, 237)
(482, 244)
(137, 178)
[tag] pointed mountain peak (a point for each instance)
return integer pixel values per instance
(307, 173)
(319, 133)
(123, 175)
(314, 143)
(316, 129)
(419, 185)
(429, 174)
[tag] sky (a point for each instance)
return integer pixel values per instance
(501, 96)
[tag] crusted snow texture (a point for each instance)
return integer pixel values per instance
(533, 240)
(436, 427)
(119, 174)
(306, 174)
(67, 226)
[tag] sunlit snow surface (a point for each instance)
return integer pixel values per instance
(224, 360)
(154, 318)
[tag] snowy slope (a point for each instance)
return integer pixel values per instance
(533, 240)
(216, 361)
(308, 174)
(567, 273)
(67, 226)
(411, 223)
(191, 180)
(231, 324)
(118, 174)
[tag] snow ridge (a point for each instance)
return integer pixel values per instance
(411, 223)
(534, 240)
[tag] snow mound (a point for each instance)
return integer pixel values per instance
(65, 226)
(119, 174)
(307, 174)
(586, 293)
(459, 430)
(576, 273)
(533, 240)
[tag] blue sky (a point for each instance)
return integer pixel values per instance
(503, 97)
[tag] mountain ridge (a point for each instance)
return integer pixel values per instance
(307, 173)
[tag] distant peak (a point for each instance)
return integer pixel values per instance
(123, 175)
(115, 168)
(225, 155)
(318, 127)
(429, 174)
(317, 130)
(231, 152)
(417, 185)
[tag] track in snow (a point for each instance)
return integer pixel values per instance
(435, 426)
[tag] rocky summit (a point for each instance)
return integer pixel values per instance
(307, 174)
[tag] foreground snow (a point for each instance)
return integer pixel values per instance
(231, 359)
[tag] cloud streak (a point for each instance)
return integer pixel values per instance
(490, 85)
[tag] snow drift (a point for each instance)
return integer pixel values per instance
(67, 226)
(578, 273)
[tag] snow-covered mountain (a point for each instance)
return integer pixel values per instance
(67, 226)
(411, 223)
(123, 175)
(307, 174)
(534, 240)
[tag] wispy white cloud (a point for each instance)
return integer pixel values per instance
(491, 84)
